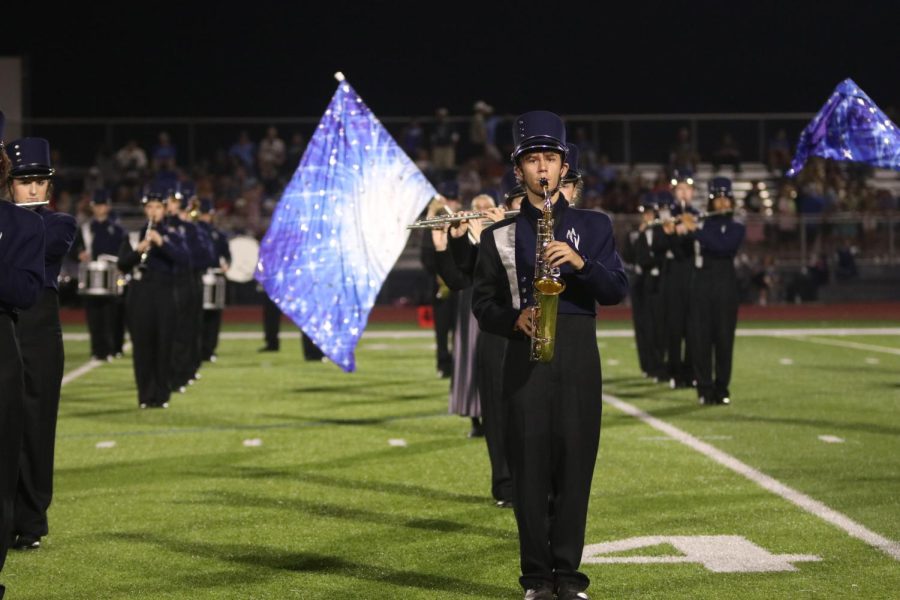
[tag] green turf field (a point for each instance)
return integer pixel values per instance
(276, 478)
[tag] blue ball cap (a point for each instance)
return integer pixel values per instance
(101, 196)
(30, 157)
(720, 186)
(538, 130)
(510, 187)
(573, 174)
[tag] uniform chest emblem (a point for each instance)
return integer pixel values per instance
(574, 238)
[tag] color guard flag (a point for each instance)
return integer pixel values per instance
(340, 226)
(849, 127)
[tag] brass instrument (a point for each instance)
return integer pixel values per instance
(438, 222)
(548, 285)
(677, 219)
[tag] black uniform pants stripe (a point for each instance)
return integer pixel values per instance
(12, 408)
(151, 321)
(553, 433)
(40, 339)
(715, 299)
(101, 321)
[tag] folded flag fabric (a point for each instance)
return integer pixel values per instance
(849, 127)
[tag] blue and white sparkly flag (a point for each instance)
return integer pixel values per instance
(849, 127)
(340, 226)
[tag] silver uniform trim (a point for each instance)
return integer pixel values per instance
(505, 239)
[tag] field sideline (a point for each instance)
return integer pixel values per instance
(277, 478)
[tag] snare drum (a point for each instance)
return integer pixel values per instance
(98, 278)
(213, 289)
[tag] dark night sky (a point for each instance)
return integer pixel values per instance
(277, 58)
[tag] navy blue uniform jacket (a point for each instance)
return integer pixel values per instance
(21, 257)
(504, 270)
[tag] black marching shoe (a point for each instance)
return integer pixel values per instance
(567, 593)
(540, 593)
(27, 542)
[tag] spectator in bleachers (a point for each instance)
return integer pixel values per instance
(728, 153)
(444, 140)
(478, 135)
(779, 153)
(295, 152)
(272, 150)
(243, 152)
(412, 138)
(164, 154)
(683, 155)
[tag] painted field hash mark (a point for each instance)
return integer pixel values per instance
(717, 553)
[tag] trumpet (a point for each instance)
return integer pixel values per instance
(438, 222)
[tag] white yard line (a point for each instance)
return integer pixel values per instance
(810, 505)
(86, 367)
(846, 344)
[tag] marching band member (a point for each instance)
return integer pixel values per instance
(21, 283)
(714, 294)
(40, 338)
(188, 286)
(645, 249)
(476, 386)
(212, 318)
(100, 236)
(677, 283)
(150, 303)
(553, 408)
(572, 186)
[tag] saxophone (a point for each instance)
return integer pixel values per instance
(548, 285)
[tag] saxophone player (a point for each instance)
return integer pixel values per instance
(554, 407)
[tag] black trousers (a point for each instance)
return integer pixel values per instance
(151, 324)
(271, 323)
(101, 312)
(209, 333)
(647, 312)
(186, 341)
(12, 409)
(119, 323)
(715, 298)
(40, 338)
(444, 321)
(553, 434)
(489, 352)
(677, 290)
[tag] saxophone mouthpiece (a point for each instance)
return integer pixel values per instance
(543, 181)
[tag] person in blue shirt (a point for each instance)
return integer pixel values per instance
(714, 293)
(153, 263)
(100, 236)
(553, 408)
(21, 283)
(40, 338)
